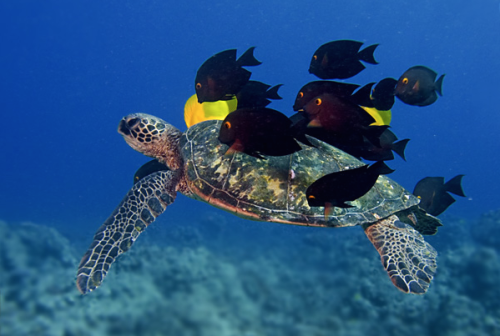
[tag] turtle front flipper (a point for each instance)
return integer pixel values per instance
(147, 199)
(408, 259)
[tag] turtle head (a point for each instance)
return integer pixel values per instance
(153, 137)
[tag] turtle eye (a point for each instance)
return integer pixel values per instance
(301, 94)
(315, 57)
(198, 86)
(132, 122)
(318, 101)
(227, 125)
(405, 80)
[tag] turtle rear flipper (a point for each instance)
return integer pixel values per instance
(147, 199)
(408, 259)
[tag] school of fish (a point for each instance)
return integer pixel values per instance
(348, 116)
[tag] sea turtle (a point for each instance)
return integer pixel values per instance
(270, 189)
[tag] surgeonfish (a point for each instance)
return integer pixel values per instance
(418, 86)
(434, 193)
(257, 94)
(335, 189)
(257, 132)
(195, 112)
(222, 76)
(382, 95)
(341, 59)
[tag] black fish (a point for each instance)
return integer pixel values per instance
(258, 132)
(257, 94)
(341, 59)
(418, 86)
(148, 168)
(382, 95)
(388, 144)
(316, 88)
(342, 119)
(334, 189)
(222, 76)
(433, 193)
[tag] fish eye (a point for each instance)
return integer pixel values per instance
(318, 101)
(405, 80)
(311, 197)
(315, 57)
(227, 125)
(198, 86)
(301, 94)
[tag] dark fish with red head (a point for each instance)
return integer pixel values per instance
(222, 75)
(418, 86)
(434, 193)
(335, 189)
(342, 119)
(341, 59)
(258, 132)
(316, 88)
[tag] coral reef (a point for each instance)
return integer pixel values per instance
(226, 278)
(487, 230)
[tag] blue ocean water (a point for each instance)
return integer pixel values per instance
(71, 70)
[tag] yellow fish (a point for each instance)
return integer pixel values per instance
(381, 117)
(195, 112)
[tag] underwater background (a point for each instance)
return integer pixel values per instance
(71, 70)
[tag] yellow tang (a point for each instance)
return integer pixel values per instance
(381, 117)
(195, 112)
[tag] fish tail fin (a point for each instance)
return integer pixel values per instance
(272, 93)
(399, 148)
(367, 54)
(381, 168)
(248, 59)
(455, 186)
(373, 134)
(439, 85)
(362, 96)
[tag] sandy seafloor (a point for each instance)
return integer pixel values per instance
(227, 276)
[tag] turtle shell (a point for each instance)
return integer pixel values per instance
(274, 189)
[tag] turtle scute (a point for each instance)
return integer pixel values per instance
(273, 188)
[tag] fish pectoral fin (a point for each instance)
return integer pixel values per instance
(314, 123)
(236, 147)
(416, 87)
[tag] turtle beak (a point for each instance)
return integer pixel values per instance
(122, 128)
